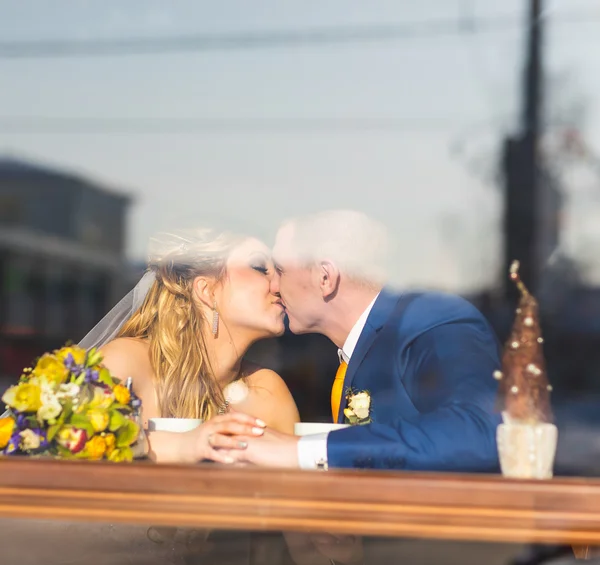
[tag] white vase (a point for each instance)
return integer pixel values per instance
(527, 451)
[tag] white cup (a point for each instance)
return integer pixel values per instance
(172, 424)
(309, 428)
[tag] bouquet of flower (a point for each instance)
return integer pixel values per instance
(69, 406)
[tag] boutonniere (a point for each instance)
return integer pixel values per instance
(358, 411)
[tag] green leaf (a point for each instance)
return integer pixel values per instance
(32, 421)
(120, 455)
(80, 422)
(105, 377)
(127, 434)
(66, 413)
(94, 357)
(352, 420)
(63, 452)
(52, 431)
(116, 420)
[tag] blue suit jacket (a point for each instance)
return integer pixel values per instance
(427, 360)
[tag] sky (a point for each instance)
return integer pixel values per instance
(447, 101)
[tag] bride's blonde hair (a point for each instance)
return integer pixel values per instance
(173, 322)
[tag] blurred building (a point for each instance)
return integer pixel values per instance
(62, 264)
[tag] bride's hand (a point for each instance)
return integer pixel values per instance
(218, 436)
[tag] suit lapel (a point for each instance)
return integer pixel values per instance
(377, 317)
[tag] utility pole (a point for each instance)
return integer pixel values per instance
(523, 169)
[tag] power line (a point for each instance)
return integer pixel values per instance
(198, 126)
(251, 40)
(425, 29)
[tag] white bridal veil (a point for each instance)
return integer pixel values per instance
(108, 328)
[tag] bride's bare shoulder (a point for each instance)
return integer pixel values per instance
(255, 375)
(126, 357)
(270, 398)
(126, 346)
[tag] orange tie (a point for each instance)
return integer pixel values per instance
(336, 390)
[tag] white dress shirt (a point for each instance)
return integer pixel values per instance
(312, 449)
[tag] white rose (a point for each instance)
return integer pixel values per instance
(29, 440)
(360, 404)
(49, 410)
(50, 407)
(69, 390)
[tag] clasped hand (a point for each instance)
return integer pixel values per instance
(220, 438)
(233, 438)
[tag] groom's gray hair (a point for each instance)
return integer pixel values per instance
(356, 243)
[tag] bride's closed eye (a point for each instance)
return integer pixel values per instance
(261, 269)
(261, 263)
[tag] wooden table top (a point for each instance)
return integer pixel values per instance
(415, 505)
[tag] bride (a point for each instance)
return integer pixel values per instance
(182, 335)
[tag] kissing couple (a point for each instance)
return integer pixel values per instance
(419, 364)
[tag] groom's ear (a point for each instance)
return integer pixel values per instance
(203, 289)
(329, 278)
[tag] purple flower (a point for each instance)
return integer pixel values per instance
(73, 367)
(43, 439)
(69, 361)
(135, 401)
(21, 421)
(91, 376)
(13, 443)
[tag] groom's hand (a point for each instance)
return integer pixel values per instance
(272, 449)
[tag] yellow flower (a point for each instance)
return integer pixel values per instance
(77, 352)
(122, 394)
(99, 419)
(24, 397)
(7, 425)
(110, 440)
(51, 368)
(102, 398)
(348, 413)
(96, 447)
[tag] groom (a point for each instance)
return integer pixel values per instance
(416, 368)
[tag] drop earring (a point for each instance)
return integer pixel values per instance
(215, 320)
